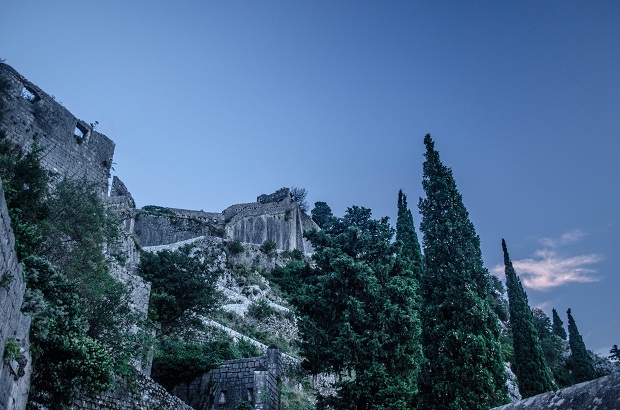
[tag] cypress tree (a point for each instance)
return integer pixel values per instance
(406, 235)
(464, 367)
(581, 364)
(558, 325)
(530, 366)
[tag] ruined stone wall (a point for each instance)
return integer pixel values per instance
(281, 222)
(154, 229)
(255, 380)
(14, 325)
(143, 394)
(71, 146)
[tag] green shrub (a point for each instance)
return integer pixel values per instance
(244, 405)
(268, 247)
(11, 350)
(160, 210)
(236, 247)
(260, 309)
(182, 285)
(177, 361)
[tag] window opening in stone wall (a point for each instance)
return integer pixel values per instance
(223, 397)
(29, 94)
(251, 395)
(80, 132)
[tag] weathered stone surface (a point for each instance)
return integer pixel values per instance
(14, 325)
(282, 222)
(142, 394)
(120, 196)
(599, 394)
(154, 229)
(71, 146)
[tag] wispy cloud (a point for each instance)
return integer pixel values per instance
(549, 269)
(568, 237)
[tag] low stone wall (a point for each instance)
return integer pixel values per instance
(599, 394)
(143, 394)
(14, 325)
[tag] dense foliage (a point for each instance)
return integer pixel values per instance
(530, 366)
(81, 322)
(358, 314)
(182, 286)
(322, 214)
(179, 361)
(464, 367)
(554, 348)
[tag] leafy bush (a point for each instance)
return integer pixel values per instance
(64, 356)
(11, 350)
(182, 285)
(236, 247)
(268, 247)
(289, 278)
(260, 309)
(177, 362)
(244, 405)
(160, 210)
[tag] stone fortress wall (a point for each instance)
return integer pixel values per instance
(14, 325)
(277, 218)
(71, 146)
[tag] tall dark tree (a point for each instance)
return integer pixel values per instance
(358, 314)
(407, 238)
(530, 366)
(615, 354)
(464, 366)
(581, 364)
(322, 214)
(558, 325)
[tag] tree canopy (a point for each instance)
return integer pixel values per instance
(358, 314)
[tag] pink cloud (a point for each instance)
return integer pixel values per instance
(549, 270)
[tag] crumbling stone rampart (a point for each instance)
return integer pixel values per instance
(154, 229)
(71, 146)
(15, 365)
(278, 220)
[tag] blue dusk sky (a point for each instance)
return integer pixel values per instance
(213, 103)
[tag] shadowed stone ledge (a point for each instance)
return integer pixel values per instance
(598, 394)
